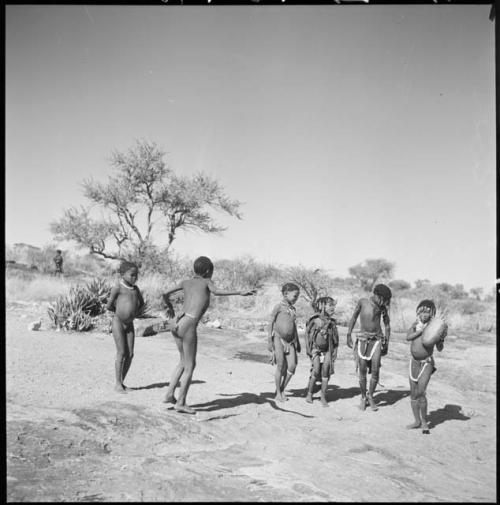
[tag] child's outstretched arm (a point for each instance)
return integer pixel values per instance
(352, 322)
(115, 290)
(222, 292)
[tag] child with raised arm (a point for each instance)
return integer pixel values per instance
(197, 293)
(125, 301)
(371, 343)
(322, 341)
(421, 363)
(283, 341)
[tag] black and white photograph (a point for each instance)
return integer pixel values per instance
(250, 251)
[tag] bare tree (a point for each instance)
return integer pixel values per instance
(142, 197)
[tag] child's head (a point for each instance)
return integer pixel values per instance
(290, 292)
(383, 294)
(58, 251)
(129, 272)
(426, 309)
(325, 303)
(203, 267)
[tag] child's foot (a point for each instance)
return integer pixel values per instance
(324, 403)
(413, 425)
(185, 409)
(425, 429)
(373, 405)
(169, 399)
(119, 388)
(309, 398)
(363, 403)
(126, 388)
(279, 397)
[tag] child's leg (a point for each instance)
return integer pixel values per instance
(189, 344)
(325, 377)
(176, 375)
(291, 362)
(422, 397)
(280, 366)
(413, 398)
(121, 352)
(376, 358)
(130, 334)
(362, 366)
(315, 373)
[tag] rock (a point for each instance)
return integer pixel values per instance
(214, 324)
(35, 326)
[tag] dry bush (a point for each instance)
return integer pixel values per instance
(36, 288)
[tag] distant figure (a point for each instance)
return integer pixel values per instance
(421, 363)
(58, 260)
(197, 293)
(371, 343)
(322, 341)
(125, 301)
(283, 341)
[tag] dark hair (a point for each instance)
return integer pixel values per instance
(289, 286)
(58, 251)
(429, 304)
(125, 266)
(202, 265)
(383, 291)
(321, 302)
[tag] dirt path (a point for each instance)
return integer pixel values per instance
(71, 438)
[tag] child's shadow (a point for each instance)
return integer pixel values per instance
(333, 392)
(446, 413)
(243, 399)
(162, 385)
(390, 397)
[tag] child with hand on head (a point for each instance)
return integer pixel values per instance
(322, 341)
(126, 302)
(283, 341)
(197, 291)
(371, 343)
(422, 363)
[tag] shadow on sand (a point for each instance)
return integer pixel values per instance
(447, 413)
(162, 385)
(390, 397)
(243, 399)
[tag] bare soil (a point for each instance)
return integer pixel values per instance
(70, 437)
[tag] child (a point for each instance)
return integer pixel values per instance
(197, 293)
(58, 260)
(371, 344)
(322, 340)
(421, 364)
(125, 301)
(283, 341)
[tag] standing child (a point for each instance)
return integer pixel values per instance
(421, 363)
(58, 260)
(371, 343)
(197, 293)
(322, 341)
(125, 301)
(283, 341)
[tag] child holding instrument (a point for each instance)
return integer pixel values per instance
(422, 362)
(283, 341)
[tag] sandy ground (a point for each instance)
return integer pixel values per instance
(70, 437)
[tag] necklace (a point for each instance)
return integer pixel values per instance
(125, 286)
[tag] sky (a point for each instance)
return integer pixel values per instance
(348, 131)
